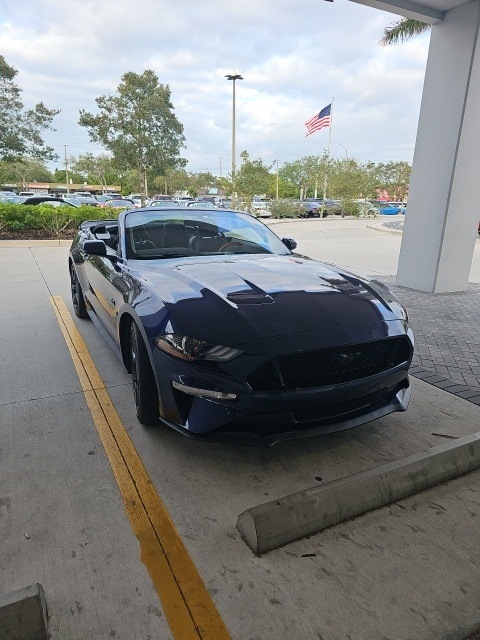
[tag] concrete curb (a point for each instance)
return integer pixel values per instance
(28, 244)
(292, 517)
(23, 614)
(379, 226)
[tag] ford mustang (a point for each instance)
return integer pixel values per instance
(230, 335)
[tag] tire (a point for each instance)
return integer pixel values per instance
(78, 300)
(145, 391)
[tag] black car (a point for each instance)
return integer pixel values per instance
(229, 334)
(49, 200)
(311, 209)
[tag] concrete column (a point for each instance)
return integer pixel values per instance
(444, 199)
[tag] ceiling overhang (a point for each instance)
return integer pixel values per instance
(430, 11)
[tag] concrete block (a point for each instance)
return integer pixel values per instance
(23, 614)
(273, 524)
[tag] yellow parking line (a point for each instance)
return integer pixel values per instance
(187, 605)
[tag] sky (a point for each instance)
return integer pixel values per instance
(295, 57)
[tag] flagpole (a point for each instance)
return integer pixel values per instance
(328, 151)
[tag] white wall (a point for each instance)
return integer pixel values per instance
(444, 198)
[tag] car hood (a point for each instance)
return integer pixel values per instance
(243, 298)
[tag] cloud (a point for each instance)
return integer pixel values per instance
(294, 57)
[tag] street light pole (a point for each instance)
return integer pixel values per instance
(233, 77)
(66, 169)
(346, 150)
(276, 181)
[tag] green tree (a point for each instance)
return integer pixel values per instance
(202, 181)
(98, 169)
(20, 130)
(350, 180)
(171, 181)
(138, 126)
(394, 177)
(254, 178)
(307, 174)
(25, 170)
(403, 30)
(60, 176)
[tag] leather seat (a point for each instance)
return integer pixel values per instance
(206, 244)
(174, 235)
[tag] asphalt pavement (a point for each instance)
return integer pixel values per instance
(407, 570)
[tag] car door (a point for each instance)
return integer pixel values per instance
(107, 288)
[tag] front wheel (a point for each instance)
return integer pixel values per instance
(144, 386)
(78, 300)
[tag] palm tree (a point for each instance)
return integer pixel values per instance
(403, 30)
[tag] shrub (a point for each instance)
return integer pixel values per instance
(350, 208)
(53, 220)
(14, 217)
(285, 209)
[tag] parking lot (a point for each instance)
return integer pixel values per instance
(406, 571)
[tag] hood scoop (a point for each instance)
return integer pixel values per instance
(249, 297)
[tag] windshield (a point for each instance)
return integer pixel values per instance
(155, 234)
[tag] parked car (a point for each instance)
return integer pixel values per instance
(13, 199)
(261, 209)
(88, 201)
(392, 208)
(162, 196)
(333, 207)
(366, 208)
(326, 207)
(166, 204)
(311, 209)
(49, 201)
(104, 197)
(201, 205)
(117, 203)
(210, 199)
(228, 335)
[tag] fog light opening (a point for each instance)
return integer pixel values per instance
(205, 393)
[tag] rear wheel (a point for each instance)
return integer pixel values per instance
(144, 386)
(78, 300)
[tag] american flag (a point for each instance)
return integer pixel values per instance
(319, 120)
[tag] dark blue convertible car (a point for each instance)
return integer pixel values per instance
(228, 334)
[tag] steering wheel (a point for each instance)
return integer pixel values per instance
(231, 244)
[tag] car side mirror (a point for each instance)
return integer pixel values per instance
(290, 243)
(95, 247)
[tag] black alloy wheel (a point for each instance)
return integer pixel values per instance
(143, 380)
(78, 300)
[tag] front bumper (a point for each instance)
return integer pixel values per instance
(267, 417)
(269, 428)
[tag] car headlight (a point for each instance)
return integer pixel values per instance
(192, 349)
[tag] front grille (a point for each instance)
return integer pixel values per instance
(336, 365)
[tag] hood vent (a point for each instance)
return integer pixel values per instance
(249, 297)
